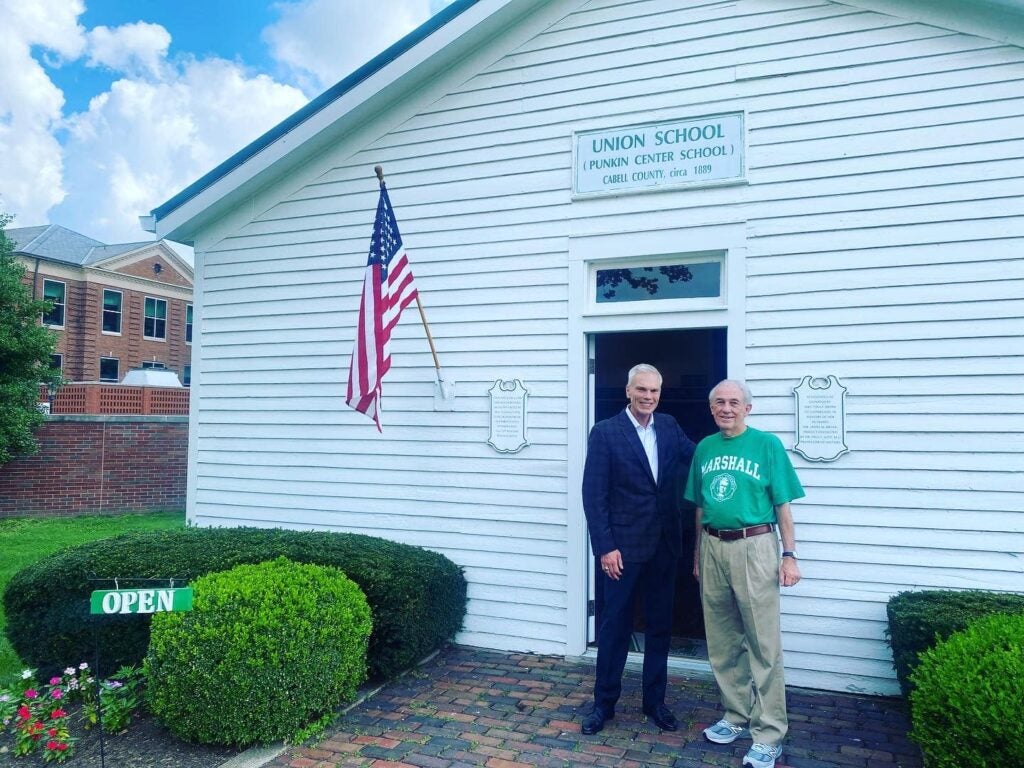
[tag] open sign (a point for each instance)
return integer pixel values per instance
(120, 601)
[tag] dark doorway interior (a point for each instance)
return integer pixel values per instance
(691, 362)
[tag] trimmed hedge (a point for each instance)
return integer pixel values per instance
(918, 619)
(966, 707)
(266, 649)
(418, 598)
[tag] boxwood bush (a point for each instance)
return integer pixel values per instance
(266, 649)
(918, 619)
(966, 707)
(417, 597)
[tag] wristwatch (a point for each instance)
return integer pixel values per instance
(789, 553)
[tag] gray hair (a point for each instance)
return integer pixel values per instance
(642, 368)
(747, 396)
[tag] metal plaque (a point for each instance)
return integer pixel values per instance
(820, 419)
(508, 416)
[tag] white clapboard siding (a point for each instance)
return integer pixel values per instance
(884, 226)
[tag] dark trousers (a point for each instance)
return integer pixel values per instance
(656, 579)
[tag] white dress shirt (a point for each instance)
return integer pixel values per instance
(649, 440)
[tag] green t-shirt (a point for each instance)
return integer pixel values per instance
(738, 481)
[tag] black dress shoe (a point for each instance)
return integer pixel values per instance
(662, 717)
(594, 722)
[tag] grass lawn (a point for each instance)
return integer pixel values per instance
(25, 540)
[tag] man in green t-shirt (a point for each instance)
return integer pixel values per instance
(742, 481)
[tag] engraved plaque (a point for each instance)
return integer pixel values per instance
(508, 416)
(820, 419)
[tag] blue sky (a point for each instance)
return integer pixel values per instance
(110, 107)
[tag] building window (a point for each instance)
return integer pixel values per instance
(54, 293)
(188, 323)
(186, 376)
(57, 362)
(690, 280)
(152, 364)
(112, 311)
(109, 369)
(155, 321)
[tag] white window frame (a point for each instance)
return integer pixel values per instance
(120, 312)
(117, 361)
(594, 307)
(156, 365)
(189, 323)
(186, 375)
(155, 319)
(63, 305)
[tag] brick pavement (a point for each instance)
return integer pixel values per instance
(468, 707)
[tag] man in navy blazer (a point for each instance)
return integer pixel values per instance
(632, 498)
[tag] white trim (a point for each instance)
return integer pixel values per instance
(635, 247)
(120, 312)
(189, 323)
(100, 373)
(63, 305)
(144, 318)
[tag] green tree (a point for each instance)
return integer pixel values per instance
(25, 349)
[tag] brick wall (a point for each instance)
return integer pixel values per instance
(91, 464)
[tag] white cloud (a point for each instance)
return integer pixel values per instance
(138, 48)
(31, 159)
(322, 41)
(146, 139)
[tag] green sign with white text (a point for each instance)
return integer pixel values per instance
(111, 601)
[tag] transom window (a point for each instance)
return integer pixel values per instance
(110, 369)
(112, 311)
(153, 364)
(677, 280)
(188, 323)
(155, 319)
(55, 293)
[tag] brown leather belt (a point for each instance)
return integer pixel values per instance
(740, 533)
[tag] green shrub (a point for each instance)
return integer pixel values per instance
(966, 707)
(417, 597)
(918, 619)
(265, 649)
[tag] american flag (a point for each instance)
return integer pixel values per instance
(388, 288)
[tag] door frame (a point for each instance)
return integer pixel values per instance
(586, 253)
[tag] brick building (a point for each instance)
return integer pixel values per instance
(115, 307)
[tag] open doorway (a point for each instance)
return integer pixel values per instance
(691, 362)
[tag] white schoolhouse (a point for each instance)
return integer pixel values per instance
(807, 194)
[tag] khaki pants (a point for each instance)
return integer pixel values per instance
(739, 585)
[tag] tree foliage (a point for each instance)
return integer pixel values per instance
(25, 350)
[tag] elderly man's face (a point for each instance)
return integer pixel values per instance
(643, 392)
(730, 408)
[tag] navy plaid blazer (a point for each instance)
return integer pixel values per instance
(626, 510)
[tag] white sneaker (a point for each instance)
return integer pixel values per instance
(762, 756)
(724, 732)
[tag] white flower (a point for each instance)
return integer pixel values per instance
(83, 666)
(5, 697)
(69, 671)
(26, 674)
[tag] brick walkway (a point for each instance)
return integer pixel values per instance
(468, 707)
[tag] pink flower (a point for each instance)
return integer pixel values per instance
(54, 681)
(31, 693)
(57, 693)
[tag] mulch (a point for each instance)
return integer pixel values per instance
(145, 744)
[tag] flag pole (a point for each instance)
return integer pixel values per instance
(379, 170)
